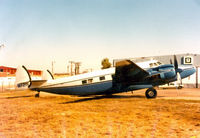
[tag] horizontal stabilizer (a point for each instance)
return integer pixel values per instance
(37, 83)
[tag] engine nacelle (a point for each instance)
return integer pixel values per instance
(168, 75)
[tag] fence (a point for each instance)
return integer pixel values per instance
(7, 84)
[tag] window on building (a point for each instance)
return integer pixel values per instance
(84, 82)
(90, 80)
(1, 70)
(102, 78)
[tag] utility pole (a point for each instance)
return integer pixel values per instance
(52, 65)
(71, 62)
(77, 67)
(68, 69)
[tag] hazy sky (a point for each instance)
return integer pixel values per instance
(37, 32)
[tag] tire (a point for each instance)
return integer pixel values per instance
(180, 87)
(37, 95)
(151, 93)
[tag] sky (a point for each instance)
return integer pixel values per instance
(38, 32)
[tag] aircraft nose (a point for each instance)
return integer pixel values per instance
(187, 72)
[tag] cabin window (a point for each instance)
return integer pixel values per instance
(90, 80)
(102, 78)
(84, 82)
(159, 63)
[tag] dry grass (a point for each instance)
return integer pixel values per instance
(123, 115)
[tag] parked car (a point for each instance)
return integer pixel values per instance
(171, 85)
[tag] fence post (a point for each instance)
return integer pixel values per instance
(2, 86)
(197, 75)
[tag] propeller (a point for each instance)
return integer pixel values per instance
(171, 61)
(178, 71)
(175, 63)
(179, 79)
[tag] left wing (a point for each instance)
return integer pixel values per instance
(126, 70)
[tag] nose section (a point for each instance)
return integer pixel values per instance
(187, 72)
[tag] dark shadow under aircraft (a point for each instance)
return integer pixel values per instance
(126, 76)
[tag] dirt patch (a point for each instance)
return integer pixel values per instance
(122, 115)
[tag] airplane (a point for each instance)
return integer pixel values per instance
(125, 76)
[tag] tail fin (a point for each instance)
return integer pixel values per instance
(47, 75)
(23, 78)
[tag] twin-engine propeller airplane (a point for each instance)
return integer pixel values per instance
(126, 76)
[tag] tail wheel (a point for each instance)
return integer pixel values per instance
(151, 93)
(37, 95)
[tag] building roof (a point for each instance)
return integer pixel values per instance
(165, 58)
(4, 67)
(10, 71)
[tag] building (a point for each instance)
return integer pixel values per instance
(7, 77)
(184, 60)
(9, 71)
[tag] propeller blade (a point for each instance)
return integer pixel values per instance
(175, 63)
(179, 80)
(171, 61)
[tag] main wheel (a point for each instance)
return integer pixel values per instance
(151, 93)
(180, 87)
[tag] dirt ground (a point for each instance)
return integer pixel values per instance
(174, 113)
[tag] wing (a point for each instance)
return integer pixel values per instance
(126, 70)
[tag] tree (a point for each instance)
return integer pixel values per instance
(105, 63)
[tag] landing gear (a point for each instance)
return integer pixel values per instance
(37, 95)
(132, 92)
(151, 93)
(180, 87)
